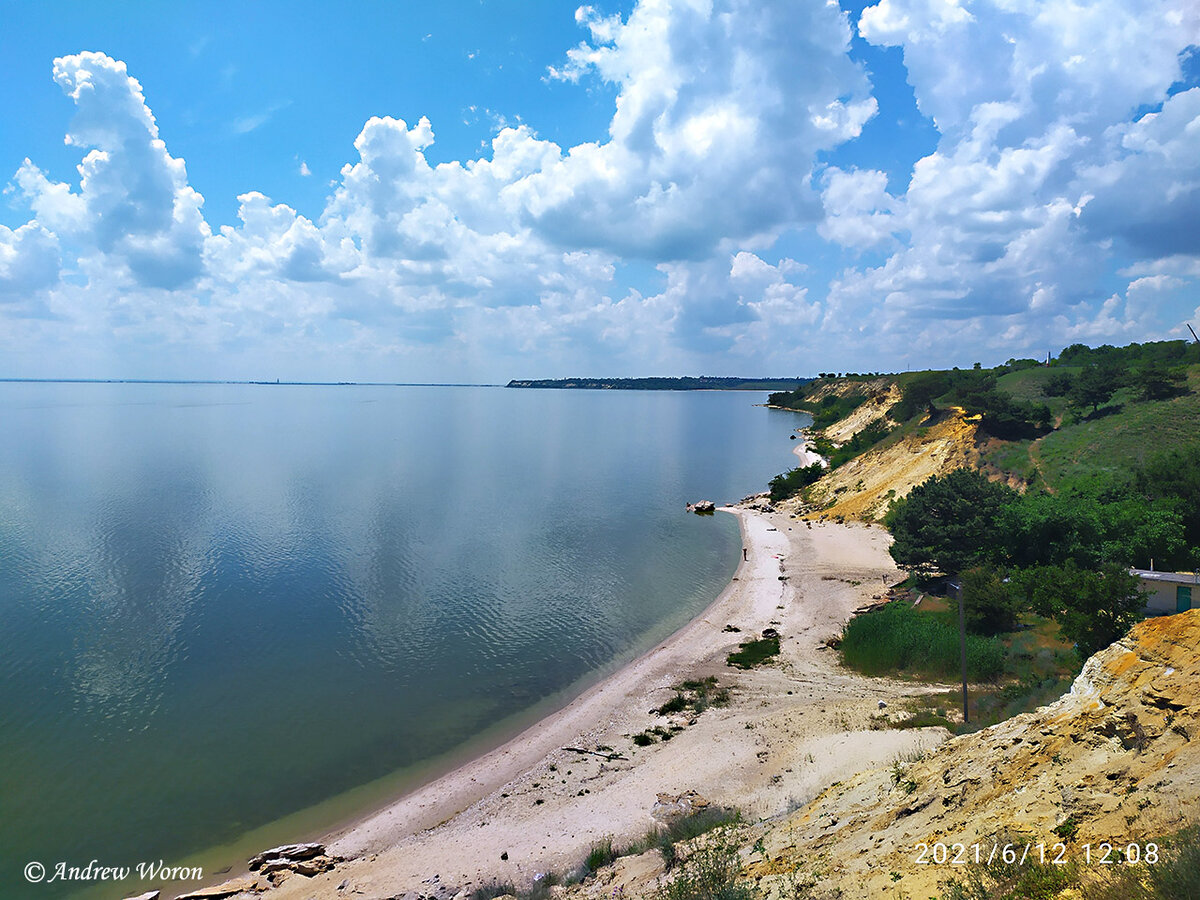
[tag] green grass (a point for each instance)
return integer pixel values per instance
(1107, 446)
(1027, 385)
(1010, 457)
(1038, 668)
(900, 639)
(754, 652)
(695, 697)
(1112, 445)
(605, 852)
(710, 872)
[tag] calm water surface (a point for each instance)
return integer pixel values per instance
(223, 604)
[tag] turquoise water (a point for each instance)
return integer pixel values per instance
(223, 604)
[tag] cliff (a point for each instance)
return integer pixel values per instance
(864, 487)
(1111, 761)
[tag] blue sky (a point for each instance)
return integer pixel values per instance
(473, 191)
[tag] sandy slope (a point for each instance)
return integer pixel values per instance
(791, 729)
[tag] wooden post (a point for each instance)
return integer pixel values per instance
(962, 644)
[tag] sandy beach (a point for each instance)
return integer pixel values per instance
(806, 454)
(541, 801)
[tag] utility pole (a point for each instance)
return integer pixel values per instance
(957, 587)
(1193, 331)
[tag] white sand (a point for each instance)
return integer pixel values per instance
(792, 728)
(804, 450)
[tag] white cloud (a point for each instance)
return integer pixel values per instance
(858, 209)
(1040, 177)
(134, 205)
(721, 109)
(29, 261)
(651, 241)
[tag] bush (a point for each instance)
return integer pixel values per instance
(751, 653)
(709, 873)
(990, 605)
(600, 855)
(793, 481)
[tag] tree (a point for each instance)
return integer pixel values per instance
(1052, 529)
(793, 481)
(1173, 476)
(949, 523)
(919, 394)
(990, 604)
(1094, 385)
(1092, 608)
(1058, 384)
(1157, 382)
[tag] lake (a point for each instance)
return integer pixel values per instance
(239, 613)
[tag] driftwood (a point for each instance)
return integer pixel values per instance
(608, 756)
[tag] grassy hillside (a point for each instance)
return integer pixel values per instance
(1124, 434)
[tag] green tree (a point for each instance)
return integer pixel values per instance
(949, 523)
(919, 394)
(1058, 384)
(1093, 386)
(1174, 477)
(1092, 608)
(990, 604)
(791, 482)
(1052, 529)
(1155, 381)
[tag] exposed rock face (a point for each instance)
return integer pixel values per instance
(702, 506)
(864, 487)
(668, 807)
(1113, 760)
(882, 395)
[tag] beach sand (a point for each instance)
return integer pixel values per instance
(807, 455)
(792, 728)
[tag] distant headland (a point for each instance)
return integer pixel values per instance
(686, 383)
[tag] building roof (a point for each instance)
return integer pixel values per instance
(1169, 577)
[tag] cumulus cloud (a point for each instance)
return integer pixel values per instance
(721, 110)
(1044, 172)
(29, 261)
(1066, 150)
(133, 204)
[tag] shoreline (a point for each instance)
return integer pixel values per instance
(542, 799)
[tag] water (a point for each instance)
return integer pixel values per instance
(221, 605)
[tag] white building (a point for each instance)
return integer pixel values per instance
(1170, 592)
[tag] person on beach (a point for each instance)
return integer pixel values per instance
(745, 554)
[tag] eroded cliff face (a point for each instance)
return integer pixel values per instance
(1117, 759)
(864, 487)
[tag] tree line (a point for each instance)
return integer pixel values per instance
(1065, 556)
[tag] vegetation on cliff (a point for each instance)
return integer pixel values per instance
(1041, 485)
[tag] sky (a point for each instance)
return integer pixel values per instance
(478, 190)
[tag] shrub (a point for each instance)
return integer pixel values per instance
(600, 855)
(793, 481)
(750, 653)
(708, 873)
